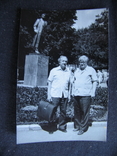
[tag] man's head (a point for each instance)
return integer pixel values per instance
(43, 15)
(83, 62)
(63, 62)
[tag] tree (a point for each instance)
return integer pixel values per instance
(93, 41)
(57, 37)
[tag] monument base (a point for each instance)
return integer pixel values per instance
(36, 70)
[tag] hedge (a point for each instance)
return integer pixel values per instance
(27, 99)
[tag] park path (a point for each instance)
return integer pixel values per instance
(34, 133)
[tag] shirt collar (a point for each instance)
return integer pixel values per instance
(84, 69)
(59, 68)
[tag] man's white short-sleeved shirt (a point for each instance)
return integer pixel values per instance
(83, 81)
(60, 81)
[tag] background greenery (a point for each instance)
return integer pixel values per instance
(60, 38)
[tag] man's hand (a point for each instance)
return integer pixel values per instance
(94, 89)
(93, 95)
(35, 30)
(49, 98)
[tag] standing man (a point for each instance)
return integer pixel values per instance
(58, 89)
(38, 27)
(85, 82)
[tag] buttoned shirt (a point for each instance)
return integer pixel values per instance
(59, 82)
(83, 81)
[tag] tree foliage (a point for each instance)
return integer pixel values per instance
(57, 37)
(60, 38)
(93, 41)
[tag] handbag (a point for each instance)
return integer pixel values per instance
(46, 111)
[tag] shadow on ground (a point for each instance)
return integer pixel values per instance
(49, 127)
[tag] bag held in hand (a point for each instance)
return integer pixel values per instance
(46, 111)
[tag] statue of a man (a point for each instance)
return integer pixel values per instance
(38, 27)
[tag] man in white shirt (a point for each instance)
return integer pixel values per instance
(58, 89)
(85, 82)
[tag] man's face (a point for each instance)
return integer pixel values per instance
(82, 64)
(43, 15)
(63, 62)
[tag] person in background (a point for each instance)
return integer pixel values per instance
(85, 82)
(58, 90)
(99, 76)
(105, 75)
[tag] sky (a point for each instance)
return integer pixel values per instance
(86, 17)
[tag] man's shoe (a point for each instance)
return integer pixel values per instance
(80, 132)
(63, 130)
(51, 132)
(75, 129)
(37, 52)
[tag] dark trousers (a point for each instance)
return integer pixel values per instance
(62, 102)
(81, 112)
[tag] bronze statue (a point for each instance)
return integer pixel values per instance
(38, 27)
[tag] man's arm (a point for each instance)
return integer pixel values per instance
(49, 98)
(94, 81)
(69, 91)
(71, 81)
(35, 26)
(94, 89)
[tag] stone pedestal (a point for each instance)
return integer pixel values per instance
(36, 70)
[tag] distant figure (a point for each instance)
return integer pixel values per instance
(105, 76)
(99, 75)
(38, 27)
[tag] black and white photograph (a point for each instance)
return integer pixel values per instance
(62, 76)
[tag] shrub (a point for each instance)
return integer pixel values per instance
(29, 97)
(101, 97)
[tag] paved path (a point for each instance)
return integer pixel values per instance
(34, 133)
